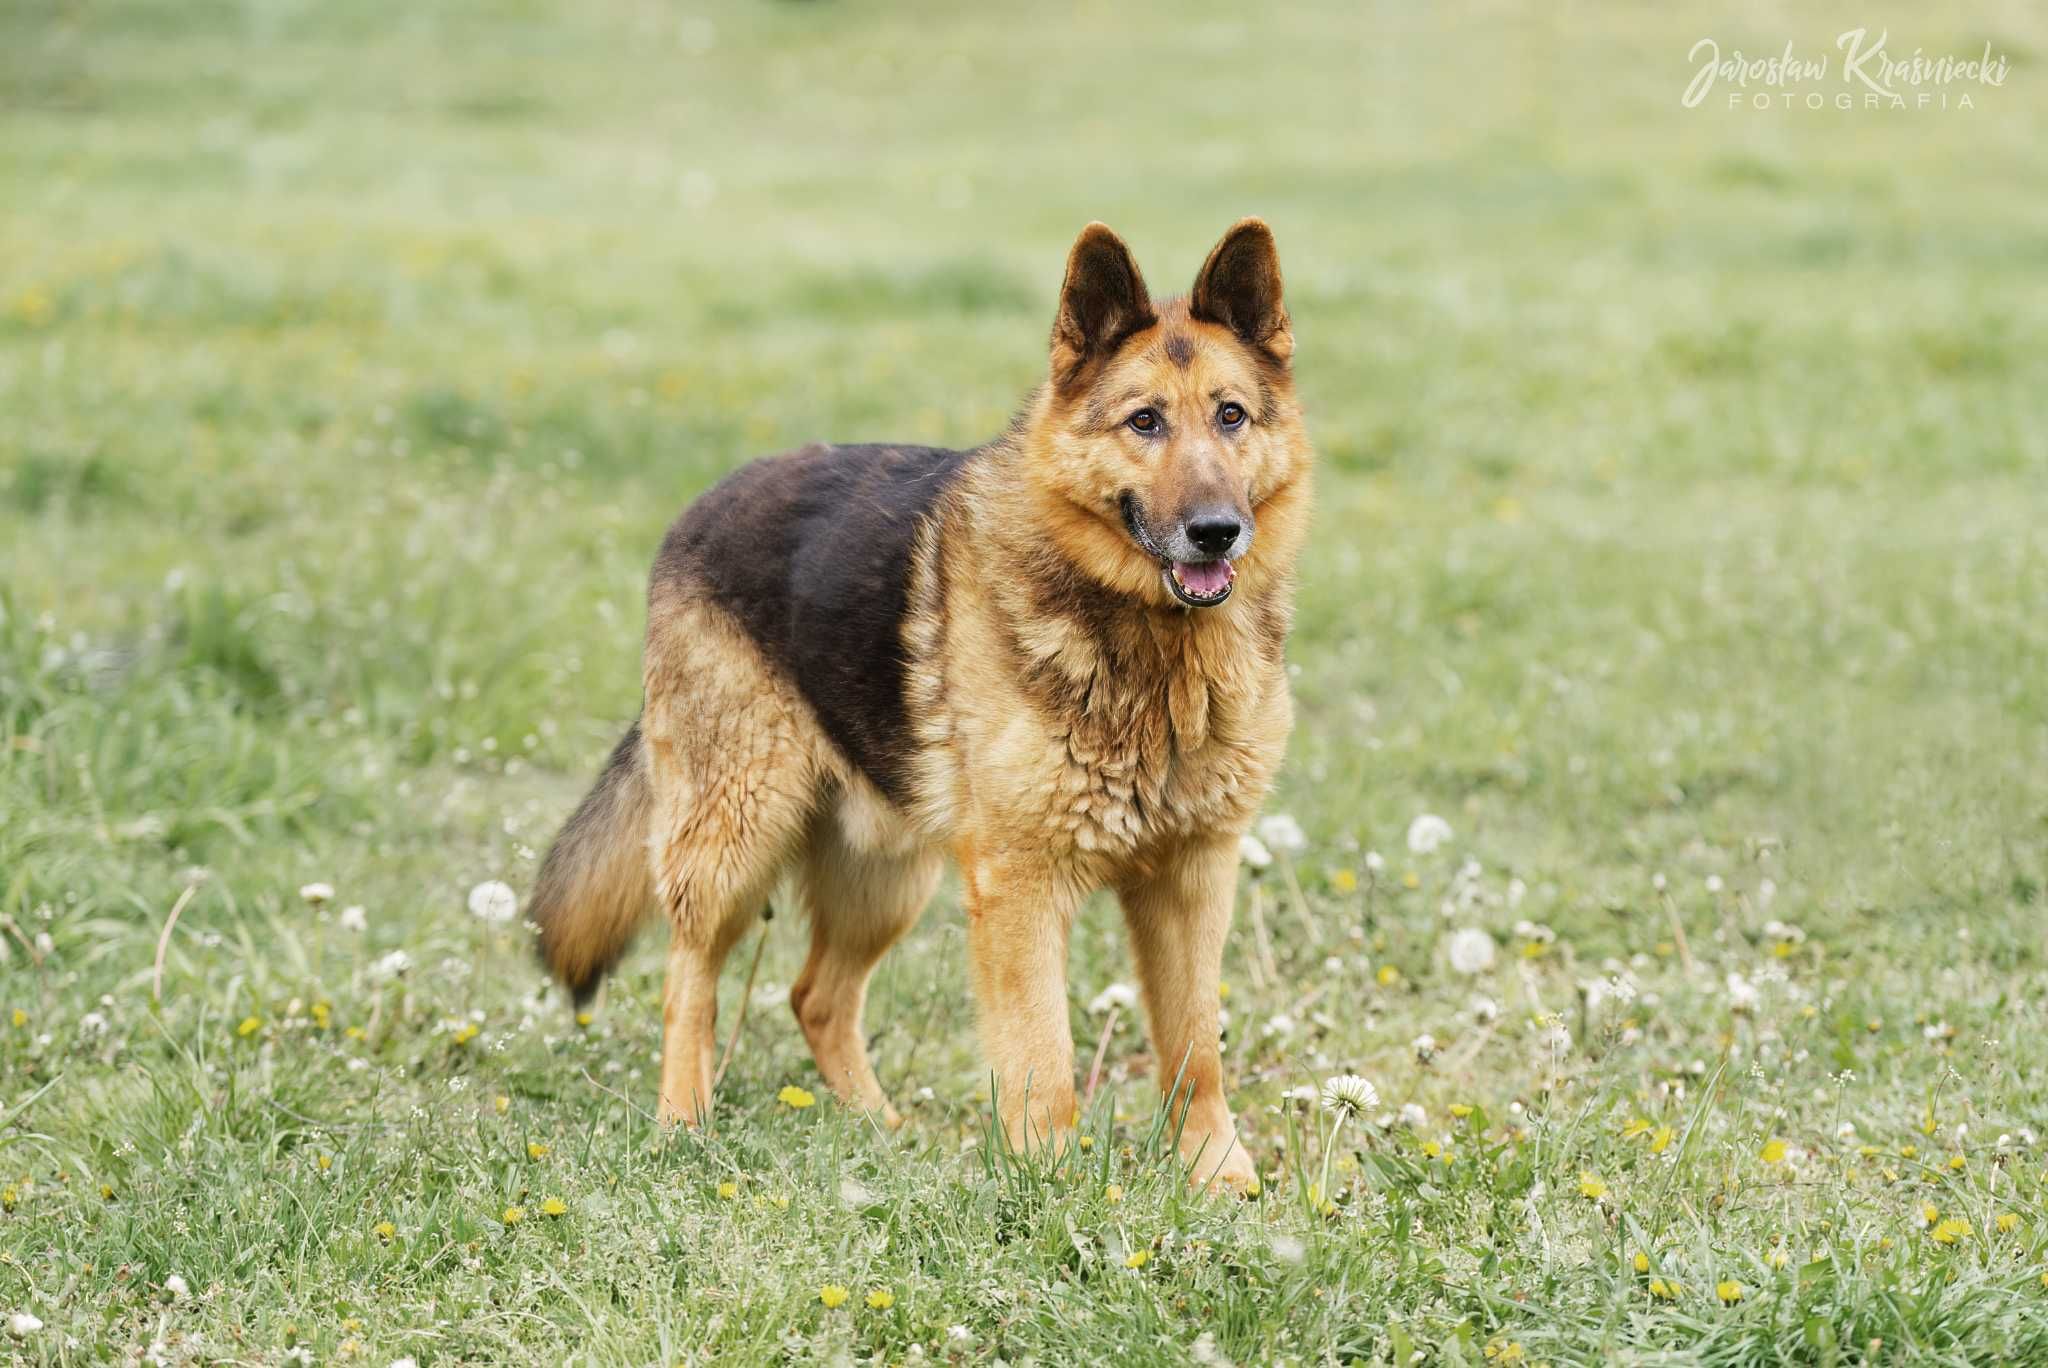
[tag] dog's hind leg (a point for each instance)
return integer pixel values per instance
(735, 771)
(861, 901)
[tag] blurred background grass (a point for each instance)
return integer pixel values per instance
(1683, 472)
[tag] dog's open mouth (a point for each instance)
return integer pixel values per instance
(1200, 584)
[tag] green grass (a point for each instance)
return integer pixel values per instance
(1683, 511)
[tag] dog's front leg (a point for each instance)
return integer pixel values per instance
(1019, 910)
(1178, 913)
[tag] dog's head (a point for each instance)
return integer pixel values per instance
(1169, 442)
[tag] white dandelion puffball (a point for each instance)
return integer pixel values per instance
(354, 919)
(1349, 1094)
(316, 893)
(1741, 994)
(1375, 863)
(1427, 832)
(1471, 951)
(1252, 851)
(493, 902)
(1425, 1048)
(1116, 995)
(175, 1285)
(22, 1324)
(1412, 1114)
(392, 966)
(1283, 834)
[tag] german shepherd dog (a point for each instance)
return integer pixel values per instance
(1056, 657)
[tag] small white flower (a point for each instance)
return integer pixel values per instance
(1846, 1131)
(391, 966)
(1427, 832)
(1412, 1114)
(1471, 951)
(316, 893)
(354, 919)
(1657, 881)
(21, 1325)
(405, 1363)
(1375, 863)
(493, 902)
(92, 1025)
(1116, 995)
(1307, 1092)
(1349, 1094)
(1279, 1024)
(1714, 884)
(1484, 1010)
(175, 1285)
(2027, 1136)
(1425, 1047)
(1252, 851)
(1741, 994)
(1283, 834)
(46, 944)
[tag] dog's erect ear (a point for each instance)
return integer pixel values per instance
(1102, 302)
(1239, 288)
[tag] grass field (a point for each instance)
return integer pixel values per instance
(1682, 542)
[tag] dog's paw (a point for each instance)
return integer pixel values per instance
(1235, 1175)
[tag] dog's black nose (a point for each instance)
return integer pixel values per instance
(1213, 533)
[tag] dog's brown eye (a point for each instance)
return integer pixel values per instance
(1144, 420)
(1230, 415)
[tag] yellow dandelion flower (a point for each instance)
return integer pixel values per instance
(1773, 1152)
(2044, 1280)
(881, 1299)
(1950, 1231)
(1389, 976)
(1729, 1291)
(1956, 1163)
(1511, 1352)
(536, 1150)
(1640, 1262)
(1461, 1110)
(107, 1189)
(513, 1215)
(385, 1231)
(1087, 1142)
(584, 1018)
(1908, 1151)
(833, 1295)
(20, 1018)
(780, 1201)
(1635, 1126)
(325, 1161)
(1661, 1141)
(465, 1033)
(1929, 1213)
(1664, 1291)
(1251, 1187)
(250, 1026)
(502, 1103)
(1776, 1258)
(1223, 992)
(728, 1190)
(1431, 1149)
(1344, 880)
(1592, 1187)
(9, 1195)
(1411, 880)
(1137, 1258)
(2008, 1222)
(1927, 1122)
(1114, 1192)
(323, 1015)
(554, 1206)
(356, 1033)
(793, 1096)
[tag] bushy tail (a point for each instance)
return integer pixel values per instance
(595, 886)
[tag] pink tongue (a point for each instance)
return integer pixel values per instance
(1205, 580)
